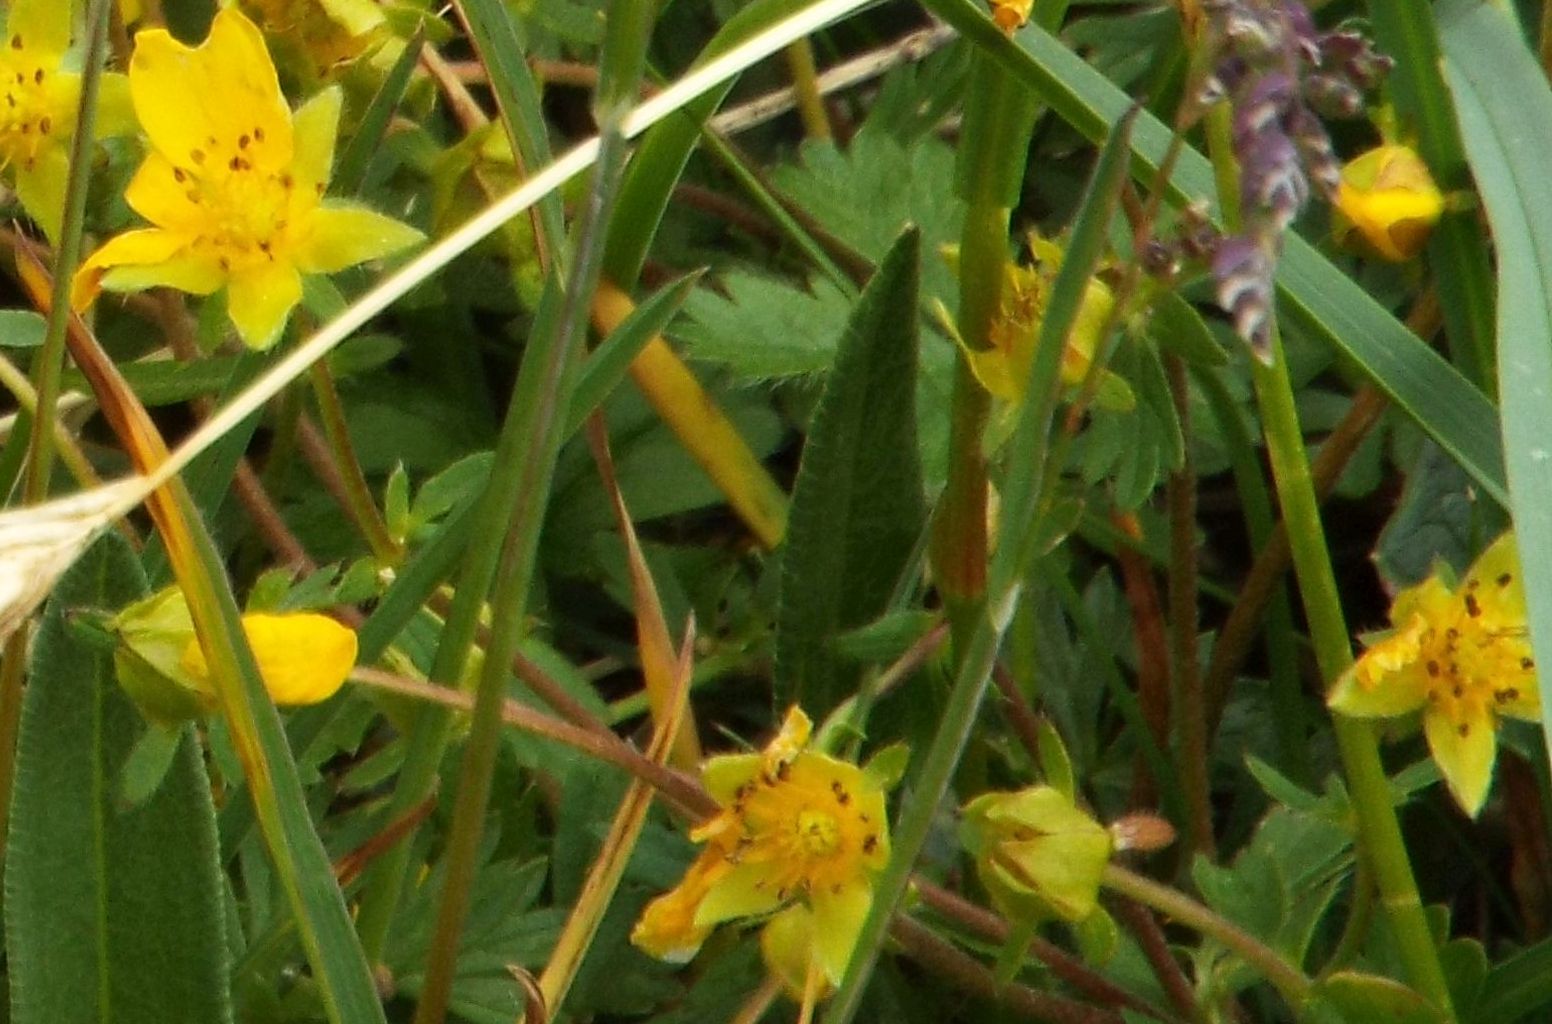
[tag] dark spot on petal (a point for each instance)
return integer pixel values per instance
(1433, 667)
(1464, 729)
(16, 42)
(1458, 691)
(258, 134)
(870, 844)
(1473, 606)
(783, 770)
(242, 141)
(37, 76)
(45, 125)
(1504, 580)
(1452, 633)
(234, 164)
(178, 175)
(1527, 663)
(197, 155)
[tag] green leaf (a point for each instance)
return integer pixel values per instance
(1370, 999)
(857, 504)
(1505, 109)
(113, 914)
(21, 328)
(764, 328)
(1176, 326)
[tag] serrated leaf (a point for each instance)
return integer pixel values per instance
(764, 328)
(866, 194)
(112, 914)
(857, 506)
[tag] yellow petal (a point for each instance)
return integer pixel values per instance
(39, 28)
(787, 945)
(146, 258)
(1386, 680)
(838, 916)
(197, 103)
(748, 890)
(723, 775)
(340, 235)
(1465, 750)
(1494, 583)
(303, 658)
(159, 192)
(796, 727)
(40, 185)
(115, 109)
(259, 300)
(315, 127)
(667, 928)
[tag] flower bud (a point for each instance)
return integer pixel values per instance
(1387, 203)
(1038, 855)
(302, 657)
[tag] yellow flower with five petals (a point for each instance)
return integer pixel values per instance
(234, 184)
(1462, 655)
(797, 829)
(38, 115)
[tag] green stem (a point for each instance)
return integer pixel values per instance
(1287, 978)
(358, 494)
(1379, 831)
(998, 119)
(540, 401)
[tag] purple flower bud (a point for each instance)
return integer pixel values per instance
(1243, 272)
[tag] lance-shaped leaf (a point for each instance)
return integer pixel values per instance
(857, 505)
(113, 913)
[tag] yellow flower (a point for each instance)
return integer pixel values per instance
(1003, 369)
(1387, 203)
(1038, 855)
(1011, 14)
(38, 116)
(234, 184)
(303, 658)
(797, 828)
(327, 33)
(1461, 655)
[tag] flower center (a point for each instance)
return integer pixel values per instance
(246, 207)
(818, 832)
(1473, 667)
